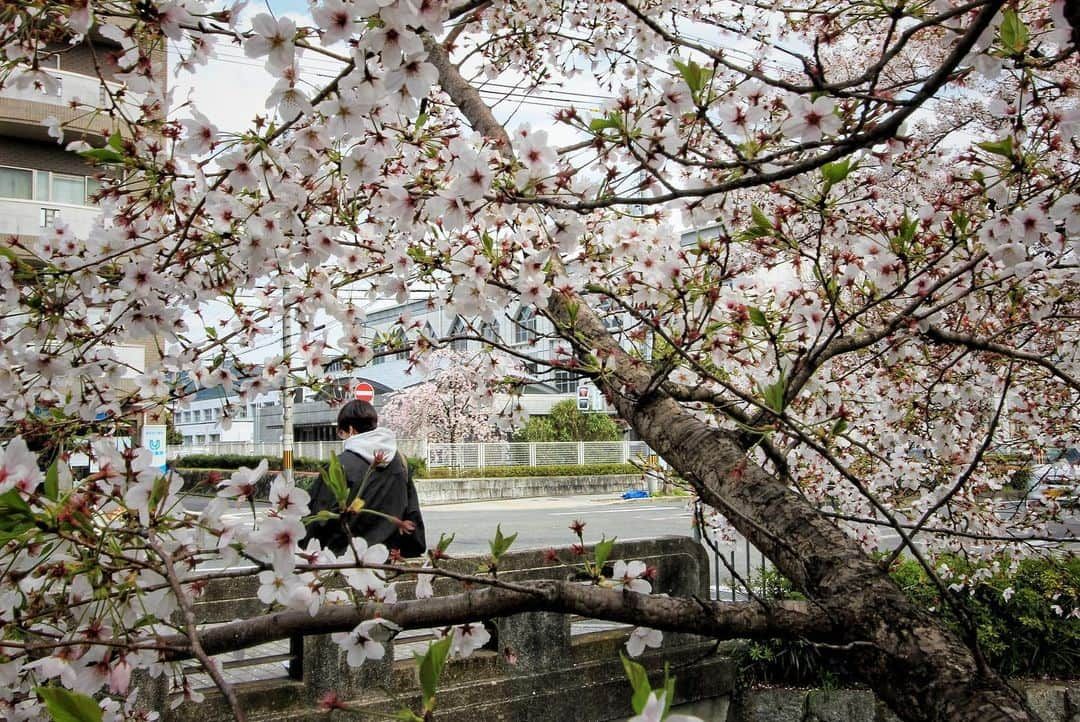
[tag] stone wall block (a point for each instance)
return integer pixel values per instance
(325, 669)
(533, 641)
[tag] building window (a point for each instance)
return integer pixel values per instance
(49, 216)
(16, 183)
(43, 185)
(489, 331)
(566, 382)
(459, 328)
(611, 315)
(68, 189)
(215, 438)
(525, 328)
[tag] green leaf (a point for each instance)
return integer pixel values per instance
(334, 477)
(669, 688)
(1013, 32)
(102, 156)
(12, 505)
(774, 395)
(52, 481)
(603, 551)
(760, 219)
(444, 542)
(902, 241)
(833, 173)
(1003, 147)
(501, 544)
(10, 255)
(67, 706)
(608, 121)
(431, 665)
(322, 515)
(839, 427)
(639, 681)
(693, 74)
(757, 317)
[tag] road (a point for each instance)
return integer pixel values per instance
(545, 522)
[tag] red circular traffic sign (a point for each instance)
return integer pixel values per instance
(363, 391)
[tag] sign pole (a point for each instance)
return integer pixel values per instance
(286, 391)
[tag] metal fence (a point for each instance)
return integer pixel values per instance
(457, 456)
(481, 455)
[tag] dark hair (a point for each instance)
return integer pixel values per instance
(359, 416)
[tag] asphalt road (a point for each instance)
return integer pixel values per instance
(545, 522)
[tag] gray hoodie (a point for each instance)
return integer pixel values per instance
(379, 443)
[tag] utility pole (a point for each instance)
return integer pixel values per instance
(286, 390)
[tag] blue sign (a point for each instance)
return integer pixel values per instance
(153, 438)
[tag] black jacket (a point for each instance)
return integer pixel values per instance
(389, 490)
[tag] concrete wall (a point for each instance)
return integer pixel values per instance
(445, 491)
(1053, 701)
(554, 676)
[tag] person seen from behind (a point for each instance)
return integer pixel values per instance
(382, 506)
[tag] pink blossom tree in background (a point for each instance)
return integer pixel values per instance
(882, 290)
(447, 407)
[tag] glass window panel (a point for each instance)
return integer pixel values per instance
(69, 189)
(42, 193)
(92, 187)
(15, 183)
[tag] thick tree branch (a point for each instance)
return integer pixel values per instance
(720, 620)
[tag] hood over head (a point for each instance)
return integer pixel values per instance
(377, 446)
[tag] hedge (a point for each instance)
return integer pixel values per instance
(235, 461)
(205, 481)
(1030, 634)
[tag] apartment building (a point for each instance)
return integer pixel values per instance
(41, 182)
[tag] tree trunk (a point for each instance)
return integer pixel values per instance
(917, 666)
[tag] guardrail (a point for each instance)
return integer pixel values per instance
(457, 456)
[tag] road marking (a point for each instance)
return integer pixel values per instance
(590, 512)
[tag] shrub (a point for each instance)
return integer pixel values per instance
(1023, 636)
(516, 471)
(205, 481)
(417, 466)
(235, 461)
(566, 423)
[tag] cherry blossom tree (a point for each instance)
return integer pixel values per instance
(883, 289)
(447, 407)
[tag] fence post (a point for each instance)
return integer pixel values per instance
(481, 455)
(532, 453)
(322, 451)
(581, 453)
(625, 453)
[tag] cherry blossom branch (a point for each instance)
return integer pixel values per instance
(193, 632)
(841, 149)
(721, 620)
(944, 531)
(937, 333)
(965, 476)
